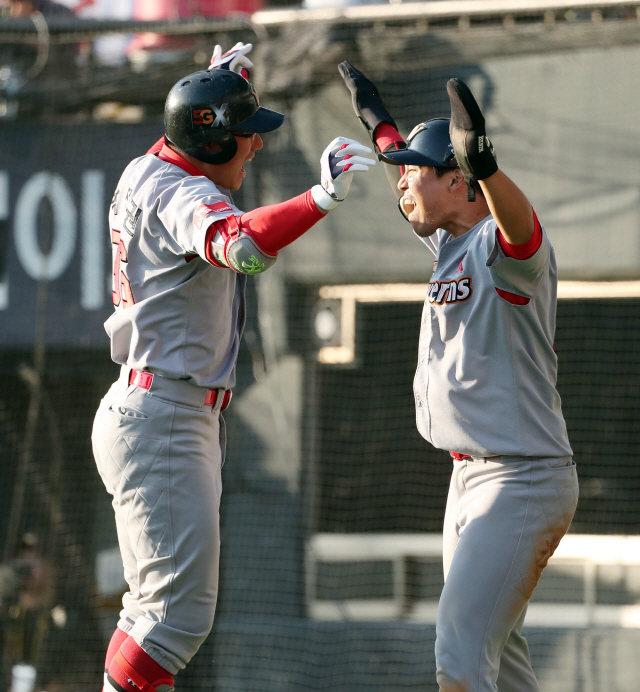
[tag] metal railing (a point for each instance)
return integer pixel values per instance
(586, 553)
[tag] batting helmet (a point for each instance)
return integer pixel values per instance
(428, 144)
(211, 105)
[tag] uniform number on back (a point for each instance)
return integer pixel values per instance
(447, 292)
(121, 294)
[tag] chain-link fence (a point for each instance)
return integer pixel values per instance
(322, 443)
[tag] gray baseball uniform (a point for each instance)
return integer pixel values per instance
(485, 383)
(485, 390)
(159, 440)
(163, 280)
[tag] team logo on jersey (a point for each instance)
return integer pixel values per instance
(460, 269)
(205, 209)
(448, 292)
(214, 116)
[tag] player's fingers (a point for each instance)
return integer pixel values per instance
(240, 61)
(340, 141)
(353, 149)
(244, 49)
(244, 61)
(217, 53)
(356, 159)
(354, 167)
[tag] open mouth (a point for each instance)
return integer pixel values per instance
(407, 204)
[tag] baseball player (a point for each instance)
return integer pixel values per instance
(182, 252)
(485, 384)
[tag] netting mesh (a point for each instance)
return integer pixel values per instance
(314, 449)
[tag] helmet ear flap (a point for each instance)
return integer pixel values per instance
(228, 148)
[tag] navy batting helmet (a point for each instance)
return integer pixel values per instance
(210, 106)
(428, 144)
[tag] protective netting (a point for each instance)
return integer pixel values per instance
(318, 451)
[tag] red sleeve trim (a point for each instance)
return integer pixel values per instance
(278, 225)
(524, 250)
(209, 236)
(386, 136)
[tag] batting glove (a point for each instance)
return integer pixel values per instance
(365, 97)
(339, 161)
(473, 150)
(235, 60)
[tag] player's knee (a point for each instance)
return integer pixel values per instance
(446, 683)
(452, 671)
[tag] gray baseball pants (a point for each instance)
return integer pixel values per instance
(159, 453)
(504, 519)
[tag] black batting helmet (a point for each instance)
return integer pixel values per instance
(209, 106)
(428, 144)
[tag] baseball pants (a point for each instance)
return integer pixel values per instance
(504, 519)
(159, 453)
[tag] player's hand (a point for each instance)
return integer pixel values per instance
(365, 98)
(339, 161)
(474, 152)
(235, 60)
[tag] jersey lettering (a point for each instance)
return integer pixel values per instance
(114, 202)
(448, 292)
(121, 293)
(131, 214)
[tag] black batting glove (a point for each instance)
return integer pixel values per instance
(473, 150)
(365, 97)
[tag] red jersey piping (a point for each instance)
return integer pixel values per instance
(526, 250)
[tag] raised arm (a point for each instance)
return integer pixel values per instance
(475, 155)
(373, 114)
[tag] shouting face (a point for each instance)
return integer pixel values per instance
(427, 199)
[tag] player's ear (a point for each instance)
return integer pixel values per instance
(457, 180)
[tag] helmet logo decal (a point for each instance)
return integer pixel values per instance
(205, 116)
(221, 118)
(202, 117)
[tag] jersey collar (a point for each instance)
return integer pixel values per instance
(170, 156)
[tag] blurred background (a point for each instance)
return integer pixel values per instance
(333, 504)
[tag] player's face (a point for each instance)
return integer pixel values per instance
(426, 199)
(234, 172)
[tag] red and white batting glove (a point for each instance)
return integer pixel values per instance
(235, 60)
(339, 161)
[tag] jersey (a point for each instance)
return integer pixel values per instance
(486, 375)
(176, 315)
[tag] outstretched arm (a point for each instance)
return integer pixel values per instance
(249, 243)
(475, 155)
